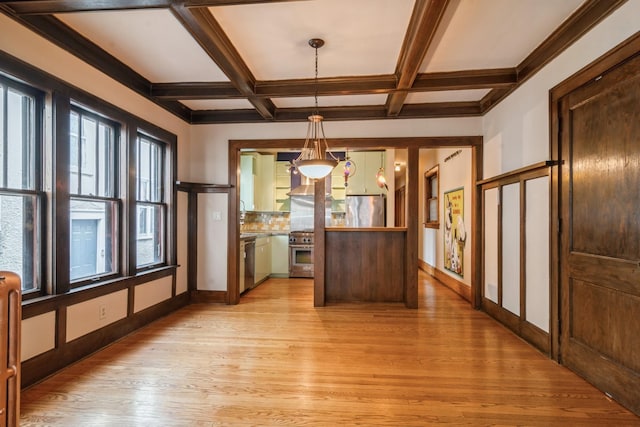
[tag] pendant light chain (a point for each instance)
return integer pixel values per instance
(316, 83)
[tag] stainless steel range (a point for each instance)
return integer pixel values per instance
(301, 254)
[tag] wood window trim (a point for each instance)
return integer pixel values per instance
(429, 176)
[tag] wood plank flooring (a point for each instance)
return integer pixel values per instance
(275, 360)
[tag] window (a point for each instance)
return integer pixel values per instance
(431, 204)
(151, 206)
(20, 182)
(101, 177)
(93, 205)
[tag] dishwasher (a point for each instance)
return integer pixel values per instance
(247, 265)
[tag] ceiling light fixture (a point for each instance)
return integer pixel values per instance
(312, 161)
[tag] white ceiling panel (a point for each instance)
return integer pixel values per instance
(363, 37)
(217, 104)
(152, 42)
(330, 101)
(483, 34)
(446, 96)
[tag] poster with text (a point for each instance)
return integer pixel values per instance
(455, 234)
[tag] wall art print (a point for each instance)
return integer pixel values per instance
(455, 234)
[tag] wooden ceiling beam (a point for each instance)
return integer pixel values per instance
(177, 91)
(48, 7)
(373, 112)
(426, 17)
(204, 28)
(467, 79)
(213, 3)
(353, 85)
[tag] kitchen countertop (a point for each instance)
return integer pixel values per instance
(249, 235)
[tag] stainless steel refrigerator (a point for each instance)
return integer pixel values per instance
(365, 210)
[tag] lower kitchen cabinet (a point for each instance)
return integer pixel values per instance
(280, 256)
(263, 259)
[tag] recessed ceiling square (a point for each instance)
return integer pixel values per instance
(494, 33)
(151, 42)
(363, 37)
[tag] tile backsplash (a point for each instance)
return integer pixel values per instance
(266, 221)
(279, 221)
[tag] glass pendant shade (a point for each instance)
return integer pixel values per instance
(312, 161)
(316, 169)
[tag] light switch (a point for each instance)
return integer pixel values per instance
(217, 216)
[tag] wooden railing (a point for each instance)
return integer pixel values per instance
(10, 318)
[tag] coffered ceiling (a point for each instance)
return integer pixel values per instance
(234, 61)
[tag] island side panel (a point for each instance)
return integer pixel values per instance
(365, 265)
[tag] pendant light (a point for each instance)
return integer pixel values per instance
(312, 161)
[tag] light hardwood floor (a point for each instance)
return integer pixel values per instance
(275, 360)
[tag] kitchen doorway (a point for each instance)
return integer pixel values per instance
(411, 144)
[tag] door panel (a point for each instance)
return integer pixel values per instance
(600, 244)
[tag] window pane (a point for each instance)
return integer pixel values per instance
(156, 176)
(18, 247)
(74, 153)
(92, 157)
(94, 238)
(143, 171)
(150, 157)
(150, 236)
(20, 129)
(433, 210)
(105, 160)
(88, 145)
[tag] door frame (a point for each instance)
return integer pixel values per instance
(623, 52)
(413, 145)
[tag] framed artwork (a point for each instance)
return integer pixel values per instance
(455, 234)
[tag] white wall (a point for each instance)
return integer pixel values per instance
(453, 174)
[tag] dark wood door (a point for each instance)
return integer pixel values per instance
(600, 236)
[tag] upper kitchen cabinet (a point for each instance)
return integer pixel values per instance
(248, 171)
(282, 186)
(338, 190)
(257, 173)
(368, 163)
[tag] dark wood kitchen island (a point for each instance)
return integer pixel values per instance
(365, 264)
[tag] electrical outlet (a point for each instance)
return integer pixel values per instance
(102, 312)
(217, 216)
